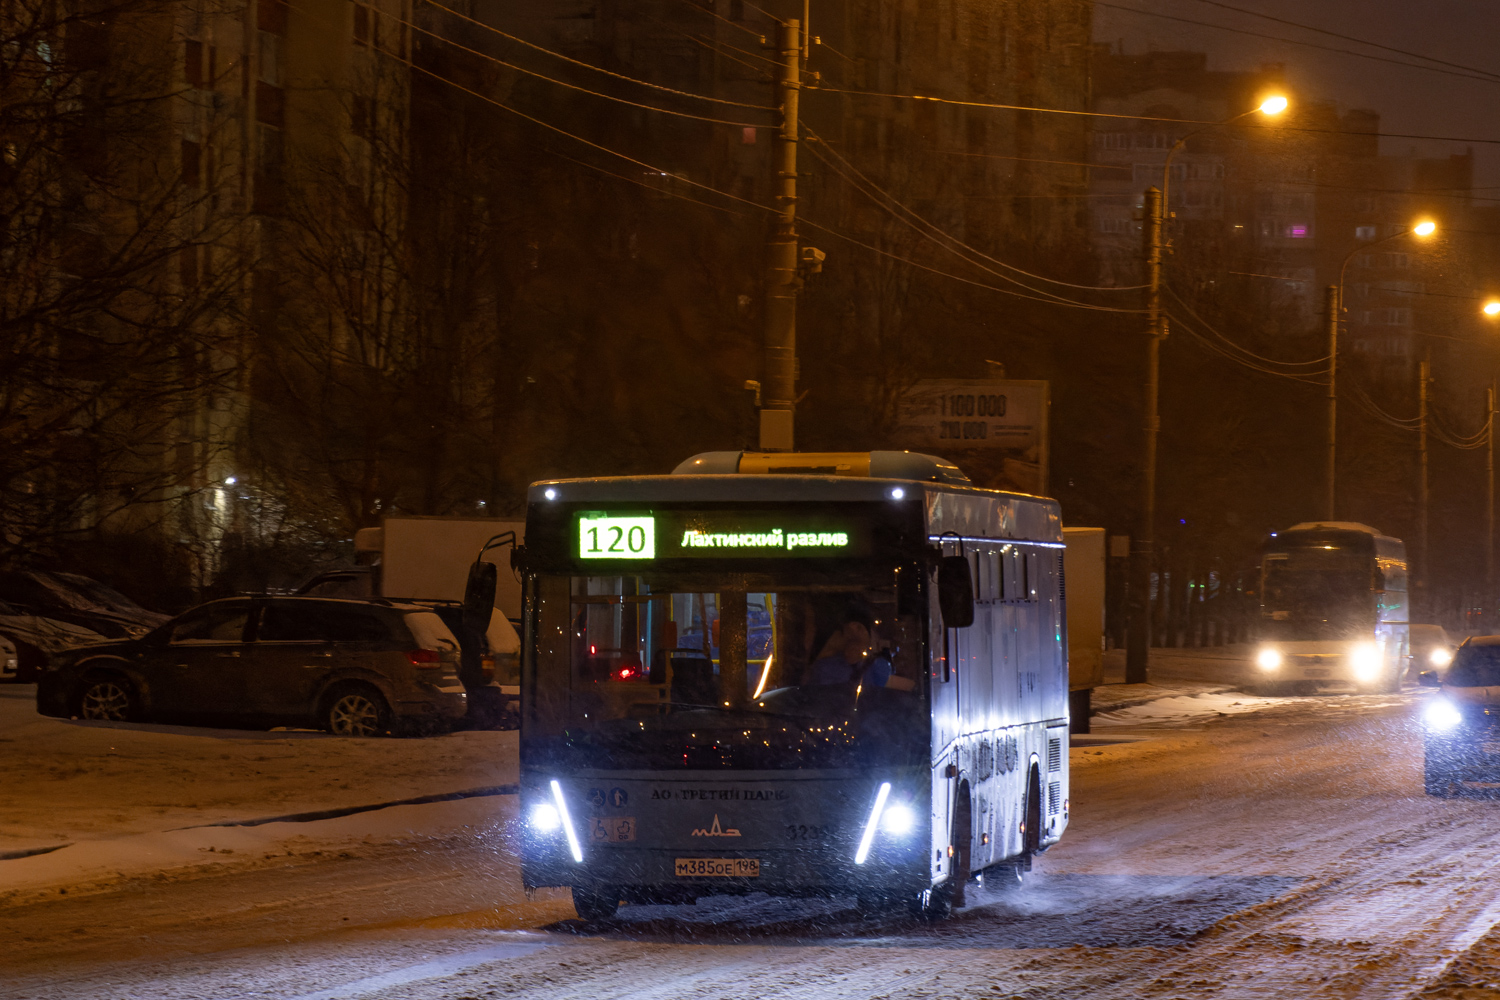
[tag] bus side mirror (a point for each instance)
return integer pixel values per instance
(955, 592)
(479, 596)
(1429, 679)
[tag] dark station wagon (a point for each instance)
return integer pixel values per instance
(353, 668)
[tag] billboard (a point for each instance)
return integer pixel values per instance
(994, 429)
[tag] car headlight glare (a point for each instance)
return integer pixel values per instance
(898, 819)
(1365, 659)
(1268, 659)
(545, 818)
(1441, 715)
(1440, 657)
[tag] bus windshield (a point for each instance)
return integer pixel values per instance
(802, 667)
(1318, 592)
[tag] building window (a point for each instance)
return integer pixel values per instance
(1297, 231)
(1364, 232)
(747, 135)
(192, 164)
(187, 261)
(192, 68)
(270, 105)
(362, 117)
(361, 24)
(271, 16)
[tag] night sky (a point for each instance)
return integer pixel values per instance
(1409, 100)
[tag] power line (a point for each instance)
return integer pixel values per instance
(1310, 378)
(573, 86)
(814, 147)
(1067, 303)
(587, 142)
(1244, 350)
(1488, 78)
(767, 13)
(1146, 118)
(590, 66)
(746, 201)
(718, 17)
(1347, 38)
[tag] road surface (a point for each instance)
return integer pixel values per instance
(1285, 852)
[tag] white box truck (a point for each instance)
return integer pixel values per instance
(426, 560)
(1083, 575)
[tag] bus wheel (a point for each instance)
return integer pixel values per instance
(1005, 876)
(596, 904)
(932, 904)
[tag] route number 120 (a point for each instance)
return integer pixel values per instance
(607, 537)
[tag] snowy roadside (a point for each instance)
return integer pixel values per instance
(84, 801)
(84, 805)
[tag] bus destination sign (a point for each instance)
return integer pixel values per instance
(690, 535)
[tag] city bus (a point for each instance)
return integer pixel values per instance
(800, 674)
(1333, 608)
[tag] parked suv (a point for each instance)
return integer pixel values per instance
(354, 668)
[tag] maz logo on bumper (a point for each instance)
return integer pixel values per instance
(716, 831)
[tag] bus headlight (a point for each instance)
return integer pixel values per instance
(1440, 657)
(898, 819)
(1268, 659)
(545, 818)
(1441, 715)
(1365, 661)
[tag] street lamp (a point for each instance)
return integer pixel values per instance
(1156, 214)
(1492, 308)
(1422, 228)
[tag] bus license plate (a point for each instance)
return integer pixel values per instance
(718, 867)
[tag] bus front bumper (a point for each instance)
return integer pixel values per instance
(648, 874)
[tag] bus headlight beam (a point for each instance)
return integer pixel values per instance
(567, 821)
(870, 824)
(1442, 716)
(1268, 659)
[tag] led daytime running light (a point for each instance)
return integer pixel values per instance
(869, 837)
(562, 807)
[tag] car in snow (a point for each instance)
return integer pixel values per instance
(353, 668)
(1431, 648)
(28, 639)
(1462, 720)
(43, 612)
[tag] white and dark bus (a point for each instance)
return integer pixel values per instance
(802, 674)
(1333, 608)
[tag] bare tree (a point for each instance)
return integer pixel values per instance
(118, 279)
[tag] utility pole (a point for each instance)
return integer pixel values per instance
(1332, 306)
(1423, 374)
(1489, 505)
(782, 280)
(1138, 645)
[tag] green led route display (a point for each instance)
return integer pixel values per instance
(719, 535)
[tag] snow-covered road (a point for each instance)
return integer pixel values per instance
(1261, 849)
